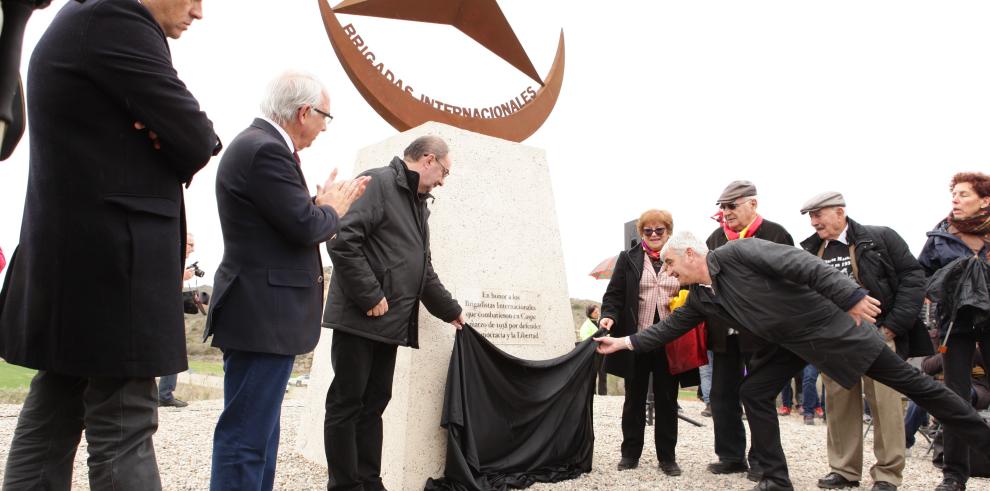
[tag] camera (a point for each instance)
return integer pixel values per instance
(195, 269)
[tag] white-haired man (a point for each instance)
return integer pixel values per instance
(268, 288)
(814, 312)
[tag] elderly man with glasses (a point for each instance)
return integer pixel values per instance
(268, 290)
(731, 346)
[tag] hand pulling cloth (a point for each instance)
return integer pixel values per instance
(512, 422)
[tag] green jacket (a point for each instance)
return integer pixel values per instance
(587, 329)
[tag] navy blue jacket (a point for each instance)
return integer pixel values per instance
(268, 289)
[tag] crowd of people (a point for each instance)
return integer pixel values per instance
(115, 135)
(773, 311)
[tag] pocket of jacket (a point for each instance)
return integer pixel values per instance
(144, 204)
(296, 278)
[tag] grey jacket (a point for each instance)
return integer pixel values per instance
(785, 296)
(383, 250)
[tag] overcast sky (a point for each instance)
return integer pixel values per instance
(663, 103)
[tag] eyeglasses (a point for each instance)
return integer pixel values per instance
(444, 171)
(731, 206)
(659, 231)
(327, 117)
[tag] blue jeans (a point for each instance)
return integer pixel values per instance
(245, 443)
(809, 392)
(914, 418)
(706, 380)
(166, 384)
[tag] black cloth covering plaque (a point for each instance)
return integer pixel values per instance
(513, 422)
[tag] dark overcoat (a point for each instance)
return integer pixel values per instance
(784, 296)
(94, 286)
(893, 276)
(268, 289)
(621, 304)
(718, 329)
(383, 250)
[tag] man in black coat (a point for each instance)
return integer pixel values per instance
(268, 288)
(93, 296)
(813, 313)
(879, 260)
(381, 271)
(731, 345)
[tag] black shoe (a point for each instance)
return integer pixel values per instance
(950, 484)
(754, 475)
(173, 402)
(728, 468)
(768, 485)
(626, 463)
(707, 411)
(835, 481)
(670, 468)
(809, 419)
(884, 486)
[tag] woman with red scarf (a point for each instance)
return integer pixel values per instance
(964, 233)
(637, 297)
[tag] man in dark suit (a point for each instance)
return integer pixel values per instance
(382, 270)
(93, 296)
(813, 313)
(268, 289)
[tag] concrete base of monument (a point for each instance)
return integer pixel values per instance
(496, 246)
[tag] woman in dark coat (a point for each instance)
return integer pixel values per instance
(964, 233)
(638, 296)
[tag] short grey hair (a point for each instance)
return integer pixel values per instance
(288, 92)
(682, 241)
(425, 145)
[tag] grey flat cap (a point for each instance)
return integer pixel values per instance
(823, 200)
(736, 190)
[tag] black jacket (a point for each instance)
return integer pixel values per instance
(961, 291)
(94, 288)
(383, 250)
(784, 296)
(893, 276)
(268, 288)
(718, 329)
(621, 304)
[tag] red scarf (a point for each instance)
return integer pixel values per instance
(654, 255)
(746, 233)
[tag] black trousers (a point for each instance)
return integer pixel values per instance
(358, 395)
(728, 370)
(602, 380)
(665, 407)
(768, 377)
(958, 366)
(119, 416)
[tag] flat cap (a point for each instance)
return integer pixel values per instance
(736, 190)
(823, 200)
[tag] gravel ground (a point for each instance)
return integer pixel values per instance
(184, 439)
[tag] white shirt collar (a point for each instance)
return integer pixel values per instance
(841, 238)
(281, 131)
